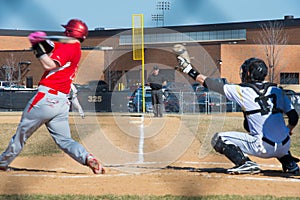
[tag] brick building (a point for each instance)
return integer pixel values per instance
(217, 50)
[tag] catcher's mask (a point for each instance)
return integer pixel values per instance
(77, 29)
(253, 70)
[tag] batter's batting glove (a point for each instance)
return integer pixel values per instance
(36, 37)
(186, 67)
(42, 48)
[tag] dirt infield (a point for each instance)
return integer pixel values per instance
(188, 175)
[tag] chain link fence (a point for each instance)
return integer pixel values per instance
(204, 102)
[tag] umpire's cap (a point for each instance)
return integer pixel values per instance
(155, 67)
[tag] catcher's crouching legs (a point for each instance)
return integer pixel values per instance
(232, 152)
(243, 164)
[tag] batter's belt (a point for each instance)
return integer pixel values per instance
(45, 89)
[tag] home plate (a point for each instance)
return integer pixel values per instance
(136, 120)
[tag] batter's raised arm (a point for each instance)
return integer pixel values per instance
(48, 64)
(41, 48)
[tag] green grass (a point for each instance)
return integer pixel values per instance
(40, 143)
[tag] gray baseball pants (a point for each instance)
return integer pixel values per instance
(51, 108)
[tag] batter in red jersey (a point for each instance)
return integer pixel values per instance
(50, 106)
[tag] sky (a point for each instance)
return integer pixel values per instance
(48, 15)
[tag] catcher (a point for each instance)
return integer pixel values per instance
(264, 105)
(50, 105)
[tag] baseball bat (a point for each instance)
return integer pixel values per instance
(58, 38)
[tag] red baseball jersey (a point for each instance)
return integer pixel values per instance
(68, 56)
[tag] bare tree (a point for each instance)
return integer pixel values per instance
(10, 68)
(14, 71)
(274, 39)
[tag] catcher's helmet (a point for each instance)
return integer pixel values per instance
(77, 29)
(253, 70)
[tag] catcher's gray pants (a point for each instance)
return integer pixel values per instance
(51, 108)
(254, 145)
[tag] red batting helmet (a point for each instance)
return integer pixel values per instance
(77, 29)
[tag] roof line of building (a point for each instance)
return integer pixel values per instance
(287, 21)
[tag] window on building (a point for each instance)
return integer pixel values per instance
(289, 78)
(202, 36)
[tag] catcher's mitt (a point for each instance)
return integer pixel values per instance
(181, 51)
(184, 64)
(182, 57)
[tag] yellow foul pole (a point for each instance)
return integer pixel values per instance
(138, 47)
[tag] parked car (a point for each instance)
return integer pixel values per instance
(135, 102)
(294, 98)
(5, 84)
(18, 88)
(202, 96)
(210, 101)
(170, 101)
(171, 91)
(98, 86)
(177, 86)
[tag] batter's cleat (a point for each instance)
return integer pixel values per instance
(94, 164)
(248, 168)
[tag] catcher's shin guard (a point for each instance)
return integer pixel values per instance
(289, 163)
(232, 152)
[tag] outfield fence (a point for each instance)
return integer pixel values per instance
(174, 102)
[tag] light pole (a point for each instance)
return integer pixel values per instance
(157, 18)
(163, 5)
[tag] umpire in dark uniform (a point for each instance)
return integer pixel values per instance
(156, 82)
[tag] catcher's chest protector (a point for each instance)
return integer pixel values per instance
(262, 99)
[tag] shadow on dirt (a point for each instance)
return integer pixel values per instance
(41, 170)
(269, 173)
(279, 173)
(193, 169)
